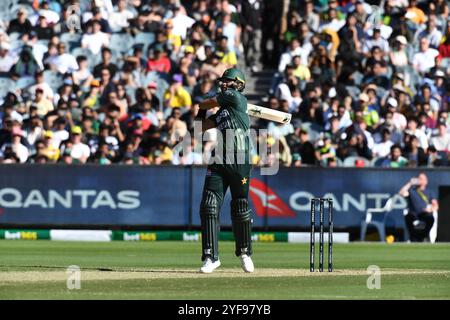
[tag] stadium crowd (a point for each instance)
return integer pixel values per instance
(117, 81)
(370, 80)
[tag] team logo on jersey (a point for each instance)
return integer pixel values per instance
(267, 202)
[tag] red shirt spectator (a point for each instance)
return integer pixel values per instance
(159, 62)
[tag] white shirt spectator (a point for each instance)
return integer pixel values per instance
(21, 152)
(382, 149)
(442, 140)
(286, 58)
(80, 151)
(425, 60)
(434, 36)
(34, 135)
(63, 63)
(51, 16)
(423, 141)
(7, 60)
(48, 92)
(345, 121)
(119, 19)
(230, 32)
(59, 136)
(181, 23)
(334, 25)
(399, 120)
(39, 51)
(95, 41)
(380, 42)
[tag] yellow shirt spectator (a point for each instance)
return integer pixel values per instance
(177, 96)
(302, 72)
(50, 151)
(174, 40)
(228, 58)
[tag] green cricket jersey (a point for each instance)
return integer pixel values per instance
(233, 115)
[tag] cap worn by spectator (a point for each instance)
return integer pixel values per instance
(48, 134)
(398, 87)
(401, 39)
(392, 102)
(177, 78)
(76, 130)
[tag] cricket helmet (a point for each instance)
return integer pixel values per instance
(234, 74)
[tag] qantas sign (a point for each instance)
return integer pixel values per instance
(267, 202)
(82, 198)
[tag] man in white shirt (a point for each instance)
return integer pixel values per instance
(413, 130)
(119, 19)
(63, 62)
(334, 23)
(431, 32)
(398, 119)
(181, 22)
(376, 41)
(51, 16)
(383, 148)
(293, 50)
(95, 40)
(39, 49)
(19, 149)
(230, 30)
(79, 151)
(60, 134)
(425, 59)
(442, 140)
(6, 59)
(41, 84)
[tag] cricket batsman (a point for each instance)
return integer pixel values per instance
(232, 171)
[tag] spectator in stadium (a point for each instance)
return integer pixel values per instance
(425, 59)
(176, 96)
(119, 19)
(441, 141)
(421, 203)
(6, 59)
(395, 158)
(94, 40)
(17, 147)
(61, 61)
(78, 150)
(20, 24)
(106, 63)
(251, 19)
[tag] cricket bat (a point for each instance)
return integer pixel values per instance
(268, 114)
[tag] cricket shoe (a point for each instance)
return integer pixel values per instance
(246, 263)
(209, 266)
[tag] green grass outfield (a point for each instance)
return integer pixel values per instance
(167, 270)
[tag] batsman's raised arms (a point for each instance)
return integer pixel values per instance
(268, 114)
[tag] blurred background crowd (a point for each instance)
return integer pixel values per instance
(120, 81)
